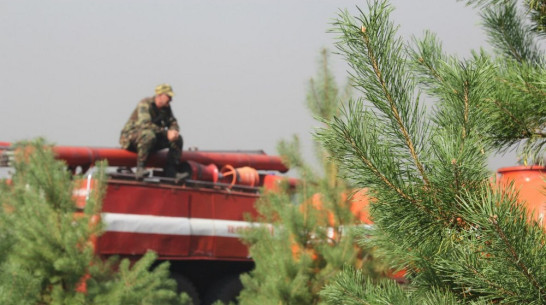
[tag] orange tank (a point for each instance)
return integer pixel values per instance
(530, 181)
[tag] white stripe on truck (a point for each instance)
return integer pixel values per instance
(150, 224)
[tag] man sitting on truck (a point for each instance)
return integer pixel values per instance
(151, 127)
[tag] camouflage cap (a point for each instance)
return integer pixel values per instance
(164, 88)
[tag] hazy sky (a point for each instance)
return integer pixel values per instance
(72, 71)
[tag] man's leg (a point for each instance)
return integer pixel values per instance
(173, 157)
(145, 142)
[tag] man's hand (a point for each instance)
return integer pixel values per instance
(172, 135)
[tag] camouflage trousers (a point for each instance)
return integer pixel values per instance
(146, 141)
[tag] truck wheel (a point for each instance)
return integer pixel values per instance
(185, 285)
(225, 290)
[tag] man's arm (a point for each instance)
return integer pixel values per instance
(172, 123)
(173, 132)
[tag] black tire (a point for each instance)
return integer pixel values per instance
(226, 290)
(185, 285)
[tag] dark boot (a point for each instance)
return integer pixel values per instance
(169, 172)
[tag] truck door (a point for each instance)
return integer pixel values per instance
(141, 217)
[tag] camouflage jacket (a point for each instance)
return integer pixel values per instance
(147, 116)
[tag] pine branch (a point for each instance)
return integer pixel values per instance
(393, 107)
(515, 256)
(345, 134)
(510, 35)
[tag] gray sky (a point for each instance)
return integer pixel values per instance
(72, 71)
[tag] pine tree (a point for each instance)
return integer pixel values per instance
(45, 250)
(436, 213)
(310, 238)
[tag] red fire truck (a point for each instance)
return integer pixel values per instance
(194, 223)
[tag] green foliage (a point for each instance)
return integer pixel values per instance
(536, 11)
(436, 214)
(538, 15)
(45, 249)
(517, 104)
(354, 288)
(134, 284)
(311, 235)
(496, 255)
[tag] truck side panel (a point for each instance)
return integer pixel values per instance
(178, 223)
(140, 217)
